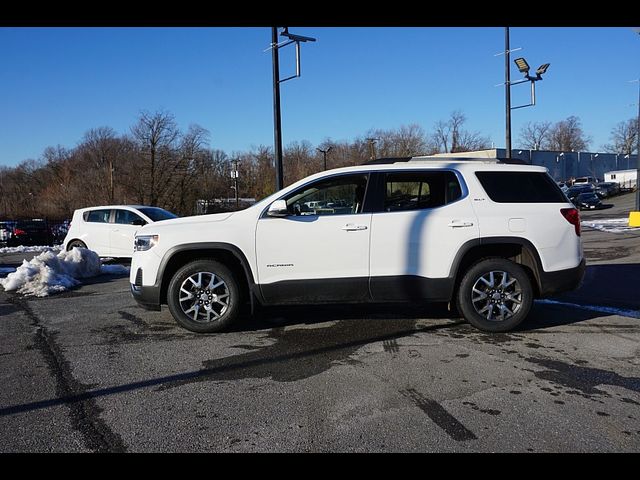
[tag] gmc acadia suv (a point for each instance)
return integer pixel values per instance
(486, 236)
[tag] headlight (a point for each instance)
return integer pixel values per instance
(144, 242)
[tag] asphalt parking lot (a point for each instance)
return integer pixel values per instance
(88, 371)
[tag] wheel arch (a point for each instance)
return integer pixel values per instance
(517, 249)
(228, 254)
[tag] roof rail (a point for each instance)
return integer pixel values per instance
(387, 161)
(515, 161)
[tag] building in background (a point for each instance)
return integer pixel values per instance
(562, 166)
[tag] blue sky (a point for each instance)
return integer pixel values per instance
(57, 83)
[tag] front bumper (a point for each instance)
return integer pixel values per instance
(552, 283)
(146, 297)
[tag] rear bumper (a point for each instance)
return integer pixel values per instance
(146, 297)
(562, 280)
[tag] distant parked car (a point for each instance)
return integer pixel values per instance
(109, 230)
(585, 180)
(607, 189)
(6, 229)
(576, 190)
(588, 201)
(564, 187)
(30, 232)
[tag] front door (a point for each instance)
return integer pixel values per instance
(123, 230)
(320, 252)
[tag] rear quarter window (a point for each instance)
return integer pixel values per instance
(521, 187)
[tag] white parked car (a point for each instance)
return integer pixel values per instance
(110, 230)
(486, 236)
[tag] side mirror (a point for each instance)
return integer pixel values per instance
(278, 209)
(139, 222)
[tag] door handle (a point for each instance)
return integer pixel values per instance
(458, 224)
(350, 227)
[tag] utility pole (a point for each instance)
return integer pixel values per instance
(111, 180)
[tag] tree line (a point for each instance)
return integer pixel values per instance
(156, 163)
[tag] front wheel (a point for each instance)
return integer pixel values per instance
(203, 296)
(495, 295)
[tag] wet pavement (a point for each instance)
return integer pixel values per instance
(88, 370)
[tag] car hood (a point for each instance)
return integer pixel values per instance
(184, 222)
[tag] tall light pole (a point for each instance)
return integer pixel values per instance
(234, 175)
(638, 154)
(324, 155)
(593, 171)
(507, 91)
(372, 148)
(277, 121)
(523, 66)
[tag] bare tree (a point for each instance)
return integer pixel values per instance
(156, 135)
(567, 135)
(624, 138)
(450, 136)
(534, 136)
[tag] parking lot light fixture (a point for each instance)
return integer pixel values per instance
(522, 65)
(542, 69)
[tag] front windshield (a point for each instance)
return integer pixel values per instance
(157, 214)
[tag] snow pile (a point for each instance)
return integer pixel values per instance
(23, 249)
(50, 273)
(611, 225)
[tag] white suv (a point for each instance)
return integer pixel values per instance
(109, 230)
(486, 236)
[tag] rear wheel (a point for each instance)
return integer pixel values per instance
(203, 296)
(495, 295)
(76, 243)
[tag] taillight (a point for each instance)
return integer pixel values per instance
(573, 217)
(19, 231)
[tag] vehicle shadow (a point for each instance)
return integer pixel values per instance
(308, 315)
(607, 289)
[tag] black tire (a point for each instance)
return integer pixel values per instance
(76, 243)
(210, 309)
(499, 307)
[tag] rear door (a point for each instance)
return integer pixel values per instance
(97, 227)
(425, 216)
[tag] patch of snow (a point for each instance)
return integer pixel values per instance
(611, 225)
(34, 249)
(50, 273)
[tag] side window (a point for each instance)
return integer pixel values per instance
(332, 196)
(98, 216)
(127, 217)
(419, 190)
